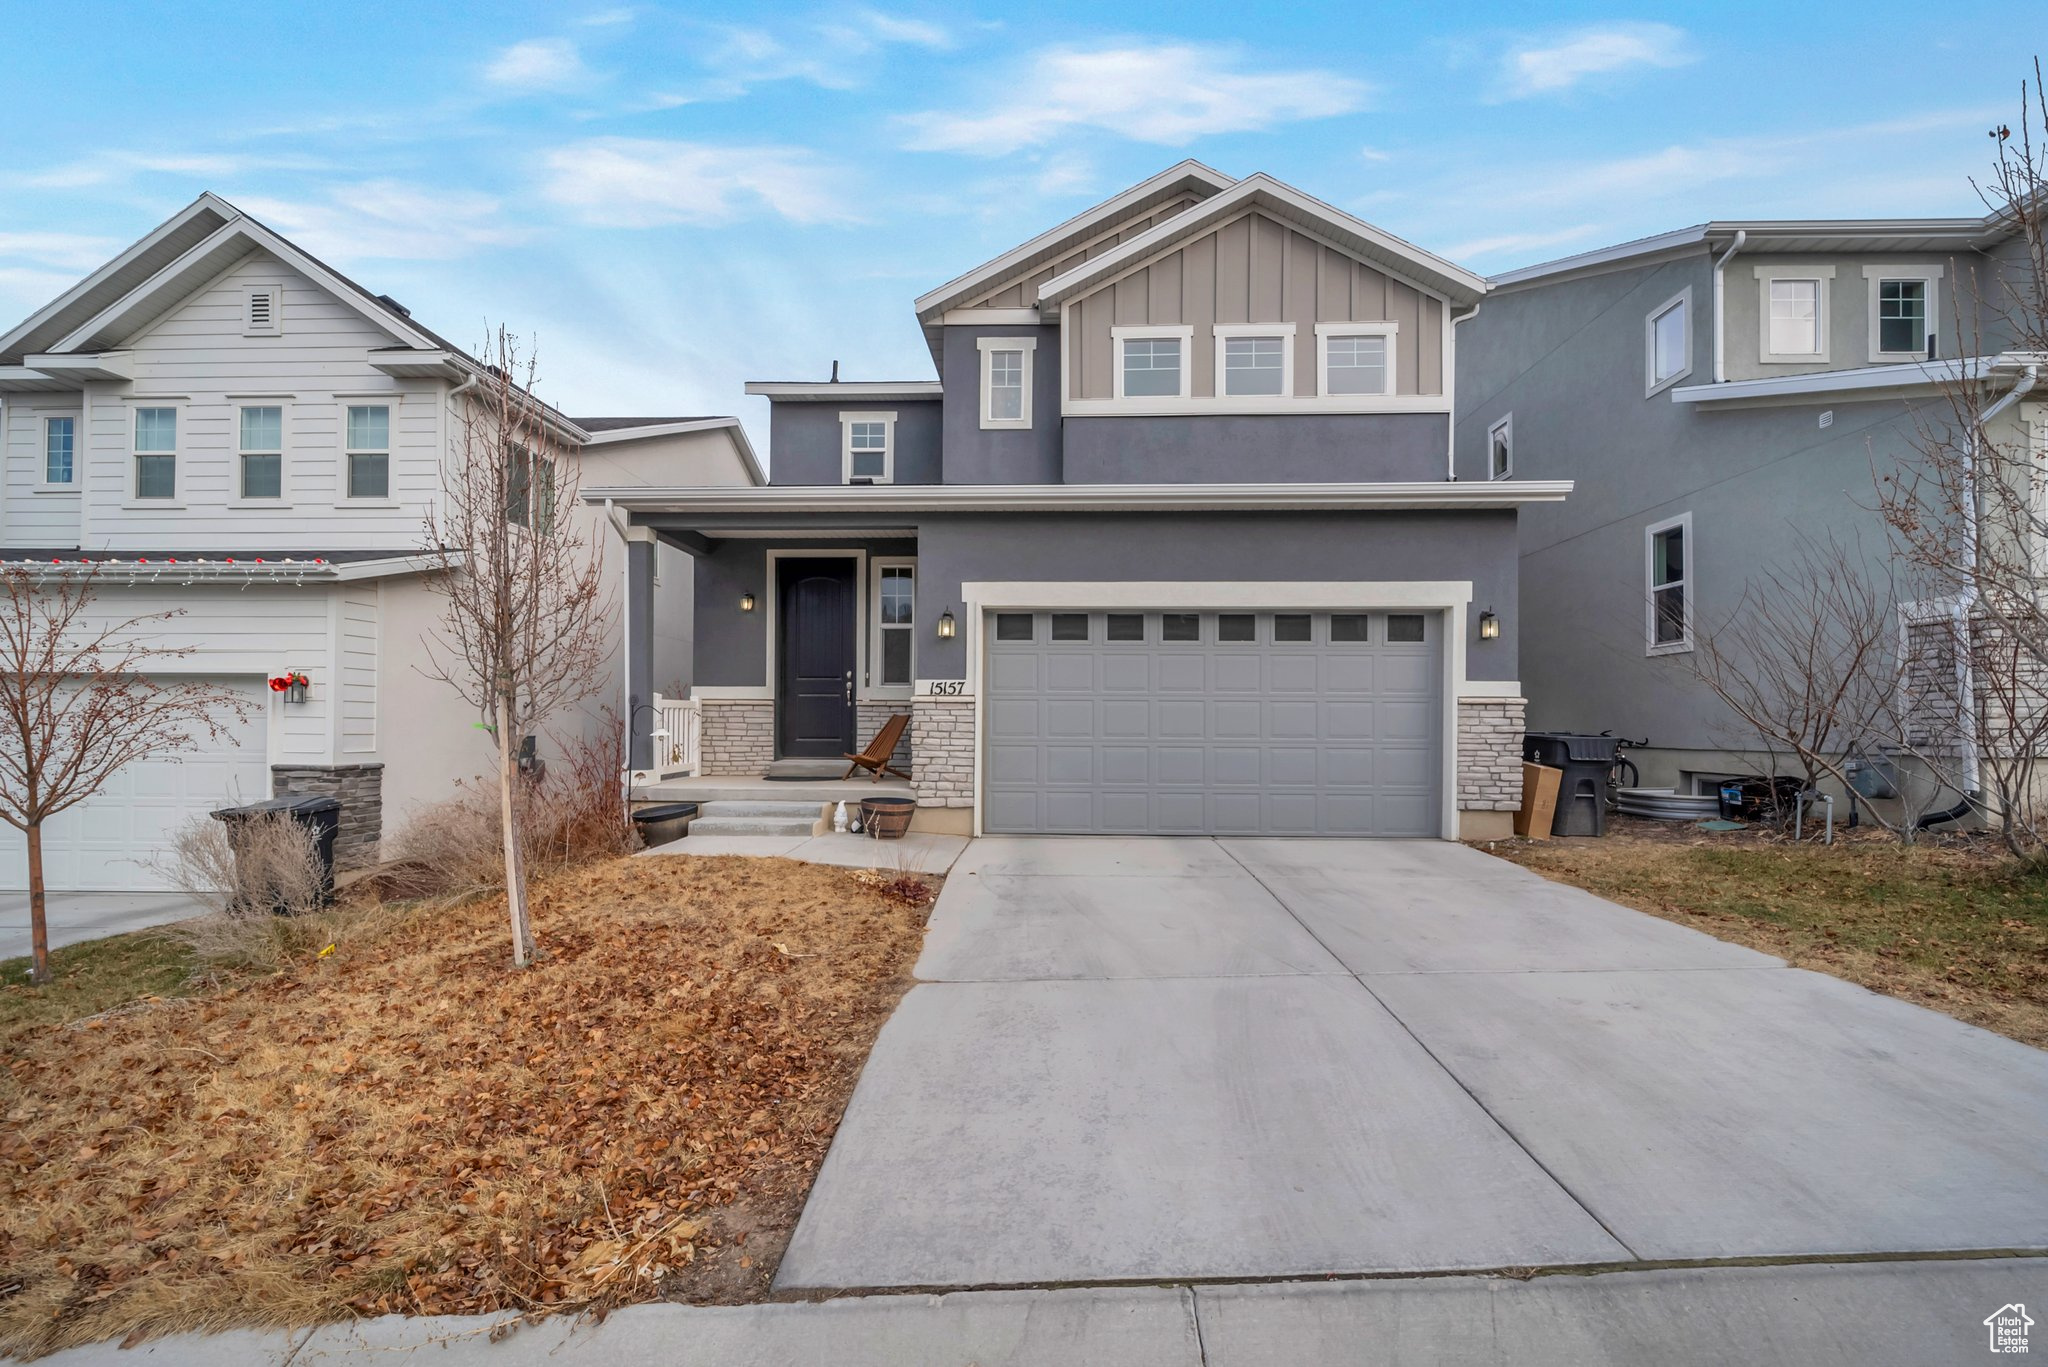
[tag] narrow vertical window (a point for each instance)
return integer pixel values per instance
(1668, 342)
(530, 490)
(262, 452)
(1670, 586)
(156, 453)
(60, 450)
(369, 451)
(1500, 448)
(895, 621)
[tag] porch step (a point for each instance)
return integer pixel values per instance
(746, 817)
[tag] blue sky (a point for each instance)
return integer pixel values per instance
(677, 198)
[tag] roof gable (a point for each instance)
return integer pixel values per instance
(1383, 251)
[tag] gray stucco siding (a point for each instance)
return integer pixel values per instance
(1257, 448)
(1848, 293)
(804, 440)
(732, 644)
(1010, 455)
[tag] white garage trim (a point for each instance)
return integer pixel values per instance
(1452, 597)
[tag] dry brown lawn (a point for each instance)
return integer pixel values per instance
(409, 1125)
(1954, 925)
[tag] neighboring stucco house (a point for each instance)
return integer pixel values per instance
(1172, 546)
(1723, 396)
(226, 427)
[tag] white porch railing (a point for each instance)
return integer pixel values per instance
(678, 734)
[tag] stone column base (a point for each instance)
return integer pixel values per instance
(738, 736)
(1490, 754)
(360, 790)
(942, 738)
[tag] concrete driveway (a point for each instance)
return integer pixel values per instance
(1135, 1059)
(75, 916)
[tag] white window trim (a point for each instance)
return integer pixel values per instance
(1325, 331)
(1651, 384)
(1504, 427)
(1823, 296)
(135, 500)
(1874, 277)
(1284, 331)
(1685, 581)
(275, 328)
(1120, 335)
(343, 498)
(43, 484)
(846, 421)
(284, 460)
(987, 346)
(874, 689)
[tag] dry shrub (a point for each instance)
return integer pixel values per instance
(262, 880)
(574, 812)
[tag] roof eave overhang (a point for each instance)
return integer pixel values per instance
(1080, 498)
(174, 572)
(1865, 384)
(105, 365)
(22, 379)
(740, 441)
(838, 391)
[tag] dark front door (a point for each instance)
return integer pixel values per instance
(814, 713)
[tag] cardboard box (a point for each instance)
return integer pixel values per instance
(1539, 801)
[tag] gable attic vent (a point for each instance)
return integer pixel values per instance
(263, 310)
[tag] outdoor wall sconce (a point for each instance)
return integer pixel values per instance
(1489, 626)
(946, 625)
(746, 602)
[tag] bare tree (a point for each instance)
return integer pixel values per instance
(1968, 510)
(526, 616)
(1808, 663)
(77, 705)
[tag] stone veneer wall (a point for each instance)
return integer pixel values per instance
(1490, 754)
(942, 736)
(738, 735)
(872, 715)
(360, 790)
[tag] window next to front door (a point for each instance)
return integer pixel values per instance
(892, 655)
(1669, 586)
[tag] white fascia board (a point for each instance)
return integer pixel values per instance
(807, 391)
(1352, 234)
(22, 379)
(420, 364)
(961, 286)
(206, 203)
(1863, 381)
(1053, 498)
(103, 365)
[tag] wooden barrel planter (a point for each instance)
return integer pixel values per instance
(886, 818)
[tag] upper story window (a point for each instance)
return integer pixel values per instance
(1500, 448)
(60, 450)
(1356, 358)
(868, 448)
(1793, 308)
(1254, 359)
(262, 451)
(1667, 343)
(1668, 546)
(1152, 362)
(156, 453)
(368, 454)
(530, 490)
(263, 311)
(1902, 319)
(1006, 381)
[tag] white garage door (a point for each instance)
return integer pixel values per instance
(1214, 723)
(107, 842)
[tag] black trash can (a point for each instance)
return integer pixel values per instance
(1582, 792)
(321, 815)
(664, 822)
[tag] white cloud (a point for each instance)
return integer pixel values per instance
(1549, 66)
(388, 220)
(538, 64)
(104, 168)
(741, 57)
(66, 251)
(1171, 93)
(649, 182)
(1503, 243)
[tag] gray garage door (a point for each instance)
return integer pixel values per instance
(1214, 723)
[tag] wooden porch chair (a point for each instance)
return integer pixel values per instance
(876, 757)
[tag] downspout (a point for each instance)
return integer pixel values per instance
(1720, 348)
(1451, 392)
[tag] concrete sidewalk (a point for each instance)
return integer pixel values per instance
(914, 852)
(1905, 1314)
(76, 916)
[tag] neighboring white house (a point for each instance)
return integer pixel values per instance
(228, 428)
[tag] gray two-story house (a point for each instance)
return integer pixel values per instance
(1172, 545)
(1724, 397)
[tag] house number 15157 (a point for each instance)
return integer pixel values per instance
(946, 688)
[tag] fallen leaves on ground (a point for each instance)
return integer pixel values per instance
(408, 1124)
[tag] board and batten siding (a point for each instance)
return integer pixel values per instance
(1254, 269)
(31, 515)
(355, 607)
(196, 359)
(1022, 291)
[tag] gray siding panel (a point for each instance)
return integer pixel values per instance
(974, 456)
(804, 440)
(1242, 448)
